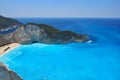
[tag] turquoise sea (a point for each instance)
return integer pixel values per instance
(98, 60)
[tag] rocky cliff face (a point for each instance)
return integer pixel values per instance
(7, 23)
(30, 33)
(6, 74)
(41, 33)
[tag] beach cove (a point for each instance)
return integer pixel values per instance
(98, 60)
(6, 48)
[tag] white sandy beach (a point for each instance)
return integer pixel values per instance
(9, 46)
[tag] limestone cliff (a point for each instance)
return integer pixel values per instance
(31, 32)
(41, 33)
(6, 74)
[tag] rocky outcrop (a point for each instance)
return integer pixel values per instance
(6, 74)
(7, 23)
(41, 33)
(31, 33)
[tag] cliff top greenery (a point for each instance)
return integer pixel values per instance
(7, 22)
(46, 27)
(49, 28)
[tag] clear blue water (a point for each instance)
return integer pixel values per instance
(99, 60)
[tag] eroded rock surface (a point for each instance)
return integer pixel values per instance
(6, 74)
(12, 31)
(41, 33)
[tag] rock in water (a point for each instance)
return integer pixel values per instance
(6, 74)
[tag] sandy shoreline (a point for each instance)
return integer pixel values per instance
(6, 48)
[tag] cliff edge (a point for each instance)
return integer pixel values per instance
(12, 31)
(6, 74)
(40, 33)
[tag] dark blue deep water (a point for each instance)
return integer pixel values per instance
(98, 60)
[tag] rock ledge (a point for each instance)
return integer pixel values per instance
(6, 74)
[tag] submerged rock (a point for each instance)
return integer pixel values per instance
(6, 74)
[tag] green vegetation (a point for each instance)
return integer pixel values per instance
(49, 28)
(7, 22)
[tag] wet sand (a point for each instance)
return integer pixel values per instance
(6, 48)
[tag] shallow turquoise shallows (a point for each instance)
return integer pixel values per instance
(98, 60)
